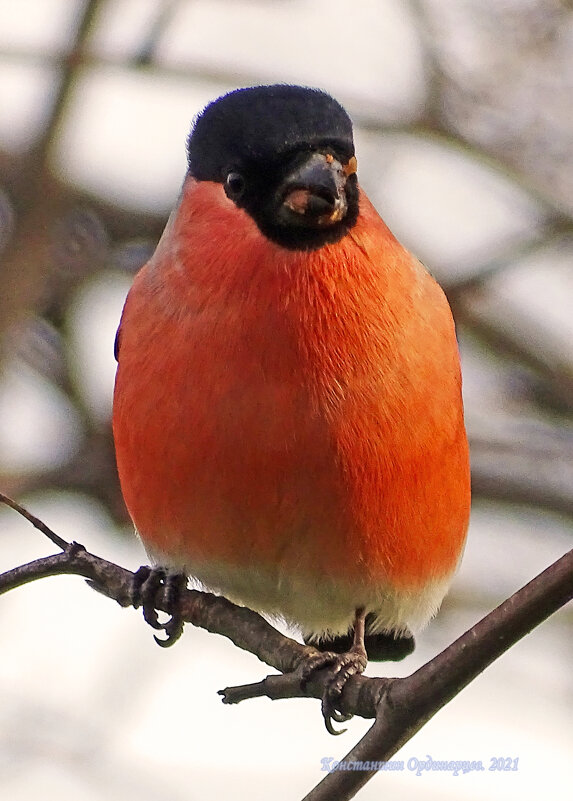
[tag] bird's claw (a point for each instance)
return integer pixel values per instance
(341, 668)
(147, 582)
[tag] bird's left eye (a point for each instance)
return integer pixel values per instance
(234, 185)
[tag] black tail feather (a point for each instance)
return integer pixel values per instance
(380, 647)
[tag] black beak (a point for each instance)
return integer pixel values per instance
(313, 194)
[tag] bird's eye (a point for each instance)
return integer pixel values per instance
(234, 185)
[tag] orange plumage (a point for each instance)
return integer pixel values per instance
(288, 421)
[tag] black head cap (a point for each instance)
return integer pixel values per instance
(250, 139)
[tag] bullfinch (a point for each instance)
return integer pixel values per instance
(288, 416)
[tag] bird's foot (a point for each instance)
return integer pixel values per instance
(341, 668)
(147, 581)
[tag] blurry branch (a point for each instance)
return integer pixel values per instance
(56, 246)
(26, 257)
(49, 58)
(67, 76)
(160, 21)
(515, 336)
(401, 706)
(475, 305)
(435, 76)
(554, 233)
(91, 471)
(539, 477)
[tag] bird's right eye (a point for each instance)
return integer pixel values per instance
(234, 185)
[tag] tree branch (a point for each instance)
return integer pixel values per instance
(409, 703)
(401, 706)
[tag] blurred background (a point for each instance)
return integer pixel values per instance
(464, 129)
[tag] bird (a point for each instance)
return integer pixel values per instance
(287, 414)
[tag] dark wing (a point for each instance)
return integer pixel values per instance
(116, 344)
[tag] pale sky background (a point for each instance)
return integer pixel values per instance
(90, 707)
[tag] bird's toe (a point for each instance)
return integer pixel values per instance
(147, 582)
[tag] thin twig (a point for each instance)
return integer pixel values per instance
(35, 521)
